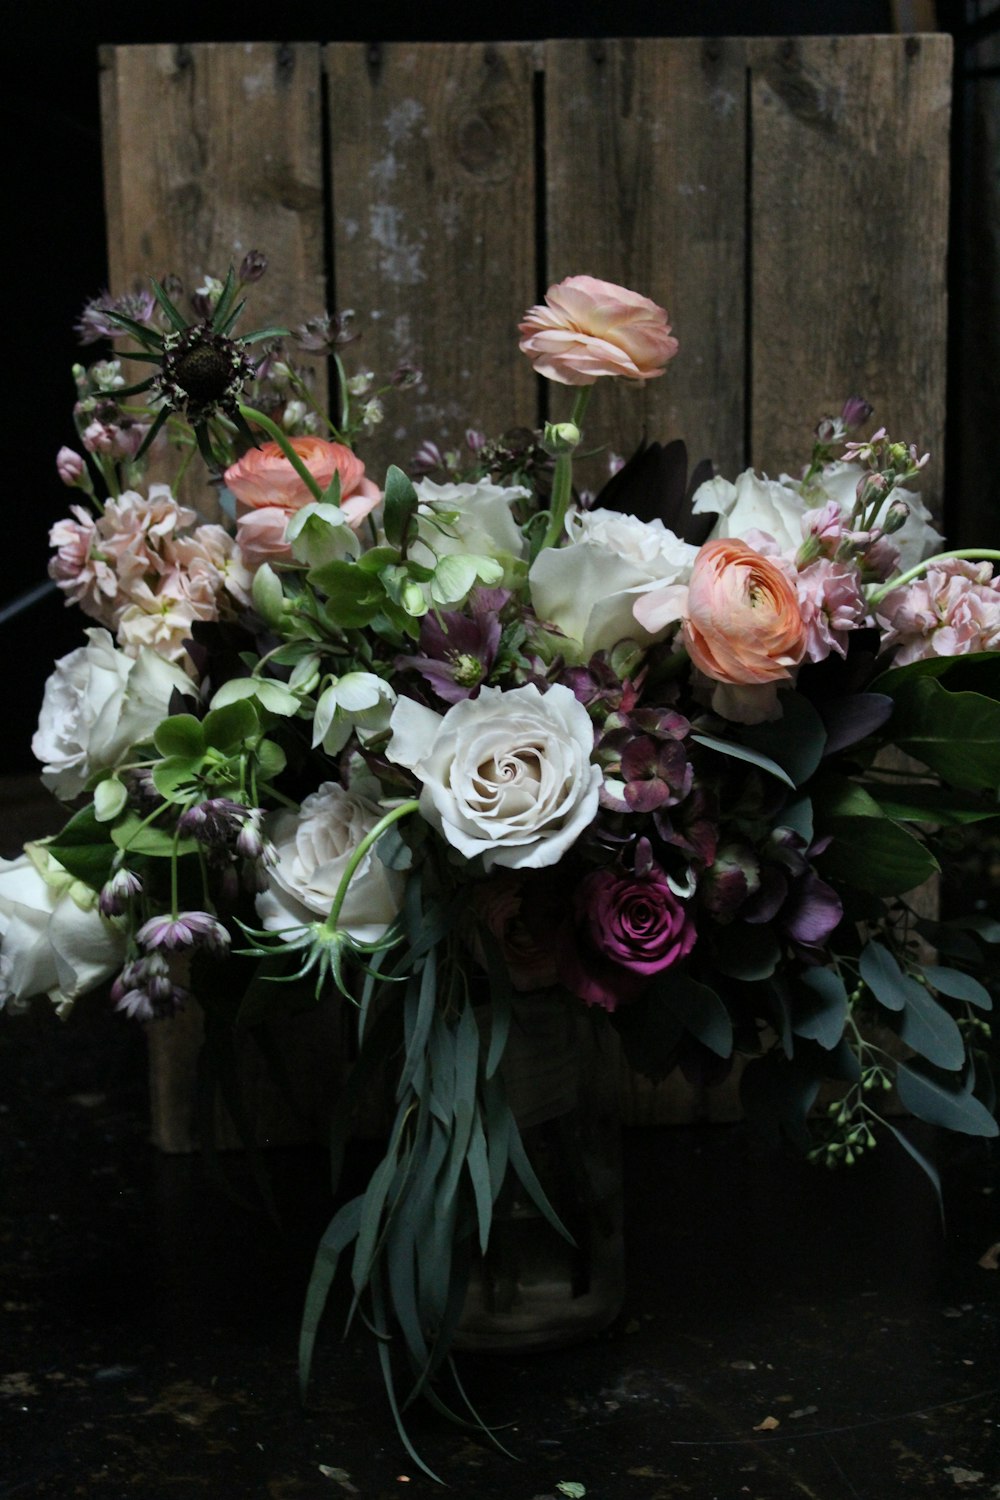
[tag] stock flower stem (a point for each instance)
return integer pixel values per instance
(971, 554)
(562, 483)
(402, 811)
(250, 414)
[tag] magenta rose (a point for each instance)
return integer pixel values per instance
(628, 927)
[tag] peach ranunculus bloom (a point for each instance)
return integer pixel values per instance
(743, 624)
(588, 328)
(264, 477)
(260, 536)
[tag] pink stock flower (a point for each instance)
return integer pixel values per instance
(136, 531)
(80, 568)
(264, 476)
(588, 328)
(831, 604)
(628, 927)
(952, 610)
(211, 559)
(260, 535)
(743, 624)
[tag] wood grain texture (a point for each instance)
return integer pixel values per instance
(211, 151)
(645, 151)
(433, 227)
(849, 188)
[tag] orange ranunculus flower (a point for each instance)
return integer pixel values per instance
(743, 623)
(263, 476)
(588, 328)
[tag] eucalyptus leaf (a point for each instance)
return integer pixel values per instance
(951, 1106)
(929, 1171)
(702, 1013)
(743, 752)
(931, 1030)
(796, 742)
(821, 1006)
(883, 976)
(958, 985)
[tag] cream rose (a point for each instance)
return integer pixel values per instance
(753, 504)
(313, 847)
(506, 775)
(53, 940)
(588, 586)
(97, 704)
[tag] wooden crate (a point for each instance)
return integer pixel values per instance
(786, 199)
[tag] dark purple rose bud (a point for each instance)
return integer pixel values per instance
(627, 928)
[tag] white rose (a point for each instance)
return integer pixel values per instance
(97, 704)
(506, 775)
(314, 846)
(472, 519)
(915, 539)
(588, 586)
(53, 940)
(774, 506)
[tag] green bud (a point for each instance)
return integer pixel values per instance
(268, 596)
(560, 437)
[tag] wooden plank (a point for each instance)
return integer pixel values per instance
(211, 151)
(849, 239)
(432, 151)
(645, 177)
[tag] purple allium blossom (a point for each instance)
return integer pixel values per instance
(188, 929)
(627, 927)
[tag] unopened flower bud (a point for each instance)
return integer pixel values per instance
(268, 595)
(856, 411)
(252, 266)
(895, 516)
(826, 430)
(560, 437)
(293, 414)
(97, 437)
(405, 376)
(70, 466)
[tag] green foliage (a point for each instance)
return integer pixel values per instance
(955, 734)
(84, 847)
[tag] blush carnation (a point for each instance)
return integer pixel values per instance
(588, 328)
(628, 927)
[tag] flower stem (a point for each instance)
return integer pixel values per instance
(372, 837)
(562, 482)
(973, 554)
(250, 414)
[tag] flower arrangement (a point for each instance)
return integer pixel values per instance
(439, 740)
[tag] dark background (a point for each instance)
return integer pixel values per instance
(54, 193)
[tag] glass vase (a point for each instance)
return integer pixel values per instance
(533, 1289)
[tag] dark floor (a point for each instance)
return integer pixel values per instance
(149, 1323)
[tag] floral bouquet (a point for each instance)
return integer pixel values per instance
(465, 741)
